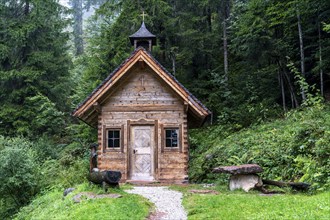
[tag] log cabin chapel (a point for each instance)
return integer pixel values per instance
(142, 114)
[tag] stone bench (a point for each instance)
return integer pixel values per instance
(243, 176)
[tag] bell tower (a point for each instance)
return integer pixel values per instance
(143, 38)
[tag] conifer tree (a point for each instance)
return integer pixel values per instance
(34, 67)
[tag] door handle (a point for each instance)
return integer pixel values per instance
(134, 151)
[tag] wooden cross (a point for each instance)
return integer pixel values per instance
(143, 15)
(142, 80)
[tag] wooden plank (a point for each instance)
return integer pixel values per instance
(182, 170)
(175, 176)
(137, 114)
(128, 160)
(141, 97)
(144, 107)
(175, 165)
(115, 122)
(111, 167)
(156, 134)
(113, 155)
(166, 161)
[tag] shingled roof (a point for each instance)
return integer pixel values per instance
(137, 55)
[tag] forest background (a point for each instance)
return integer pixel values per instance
(248, 61)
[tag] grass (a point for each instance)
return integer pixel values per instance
(51, 205)
(240, 205)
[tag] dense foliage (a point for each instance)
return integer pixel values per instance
(27, 168)
(241, 79)
(34, 68)
(295, 148)
(249, 61)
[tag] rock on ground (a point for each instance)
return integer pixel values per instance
(168, 202)
(244, 181)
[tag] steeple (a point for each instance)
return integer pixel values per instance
(143, 38)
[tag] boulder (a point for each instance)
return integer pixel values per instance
(67, 191)
(244, 181)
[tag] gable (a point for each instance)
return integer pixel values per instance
(88, 110)
(141, 88)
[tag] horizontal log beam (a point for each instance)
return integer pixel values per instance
(138, 108)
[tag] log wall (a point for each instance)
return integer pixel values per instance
(142, 98)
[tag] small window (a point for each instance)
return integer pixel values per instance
(171, 137)
(113, 139)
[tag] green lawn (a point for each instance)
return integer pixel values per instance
(241, 205)
(52, 206)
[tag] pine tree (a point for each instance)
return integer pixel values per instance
(34, 67)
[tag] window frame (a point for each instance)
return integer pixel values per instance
(171, 137)
(163, 140)
(106, 130)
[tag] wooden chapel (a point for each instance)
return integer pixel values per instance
(142, 114)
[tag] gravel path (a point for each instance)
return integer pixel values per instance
(168, 202)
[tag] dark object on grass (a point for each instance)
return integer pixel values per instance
(242, 169)
(105, 178)
(67, 191)
(296, 186)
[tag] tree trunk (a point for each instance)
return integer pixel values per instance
(302, 54)
(173, 63)
(293, 96)
(27, 7)
(225, 41)
(78, 26)
(320, 60)
(297, 186)
(280, 79)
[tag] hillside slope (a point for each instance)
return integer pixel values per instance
(52, 205)
(296, 148)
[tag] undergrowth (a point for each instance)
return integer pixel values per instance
(295, 148)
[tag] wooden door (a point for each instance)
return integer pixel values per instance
(142, 143)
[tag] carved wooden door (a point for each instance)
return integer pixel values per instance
(142, 142)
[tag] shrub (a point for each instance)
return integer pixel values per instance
(296, 148)
(18, 171)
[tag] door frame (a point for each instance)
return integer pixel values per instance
(143, 122)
